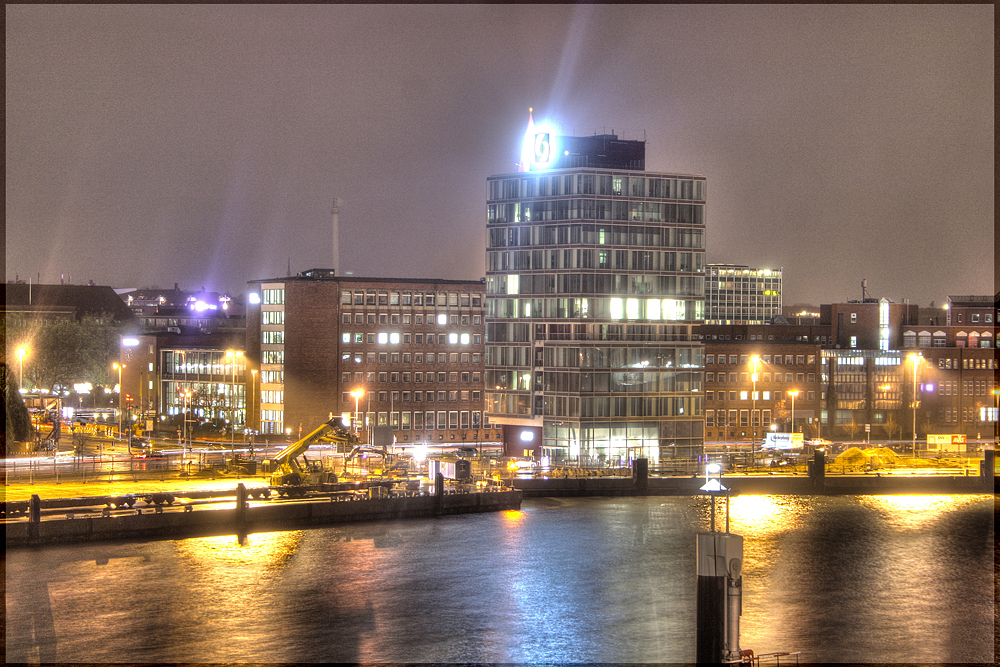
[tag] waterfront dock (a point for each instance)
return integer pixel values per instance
(777, 484)
(156, 516)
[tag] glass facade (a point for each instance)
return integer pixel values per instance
(594, 283)
(741, 295)
(215, 384)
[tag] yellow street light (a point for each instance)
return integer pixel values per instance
(357, 394)
(233, 355)
(253, 391)
(793, 393)
(185, 396)
(914, 358)
(754, 360)
(21, 351)
(119, 368)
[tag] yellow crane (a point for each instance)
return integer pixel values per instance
(294, 474)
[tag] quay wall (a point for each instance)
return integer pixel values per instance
(257, 518)
(756, 484)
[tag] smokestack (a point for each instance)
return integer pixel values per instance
(335, 214)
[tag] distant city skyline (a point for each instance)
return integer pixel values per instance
(203, 144)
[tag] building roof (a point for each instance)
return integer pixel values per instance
(79, 300)
(973, 301)
(314, 275)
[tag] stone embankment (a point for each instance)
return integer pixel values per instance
(872, 484)
(153, 522)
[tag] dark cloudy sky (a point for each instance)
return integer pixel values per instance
(203, 144)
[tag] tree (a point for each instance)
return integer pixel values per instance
(852, 428)
(892, 426)
(66, 351)
(17, 421)
(781, 412)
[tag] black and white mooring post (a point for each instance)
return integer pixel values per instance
(720, 583)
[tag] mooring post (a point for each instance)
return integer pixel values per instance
(640, 476)
(241, 508)
(438, 493)
(986, 469)
(34, 516)
(720, 585)
(35, 509)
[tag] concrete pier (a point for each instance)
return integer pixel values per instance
(251, 519)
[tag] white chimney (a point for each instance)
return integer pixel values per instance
(335, 213)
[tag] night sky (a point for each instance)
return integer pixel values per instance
(203, 144)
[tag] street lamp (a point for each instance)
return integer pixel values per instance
(234, 355)
(253, 392)
(119, 368)
(21, 351)
(357, 394)
(793, 393)
(185, 395)
(753, 402)
(914, 358)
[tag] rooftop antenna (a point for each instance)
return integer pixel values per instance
(864, 289)
(289, 266)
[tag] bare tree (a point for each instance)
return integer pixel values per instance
(852, 428)
(892, 427)
(781, 413)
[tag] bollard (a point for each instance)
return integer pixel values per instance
(640, 476)
(241, 507)
(438, 493)
(35, 509)
(720, 560)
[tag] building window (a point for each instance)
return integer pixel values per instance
(272, 317)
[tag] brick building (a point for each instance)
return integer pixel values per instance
(414, 347)
(749, 372)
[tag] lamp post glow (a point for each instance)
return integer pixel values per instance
(21, 351)
(914, 358)
(357, 394)
(119, 368)
(753, 404)
(793, 393)
(253, 392)
(185, 395)
(234, 355)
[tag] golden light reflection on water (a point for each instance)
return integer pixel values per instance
(267, 550)
(912, 510)
(513, 516)
(762, 515)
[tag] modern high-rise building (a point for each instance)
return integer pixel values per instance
(736, 294)
(594, 284)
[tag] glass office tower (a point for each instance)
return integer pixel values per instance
(594, 286)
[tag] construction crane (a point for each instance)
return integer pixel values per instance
(293, 474)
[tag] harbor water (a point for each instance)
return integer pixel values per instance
(842, 578)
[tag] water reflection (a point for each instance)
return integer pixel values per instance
(889, 579)
(267, 550)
